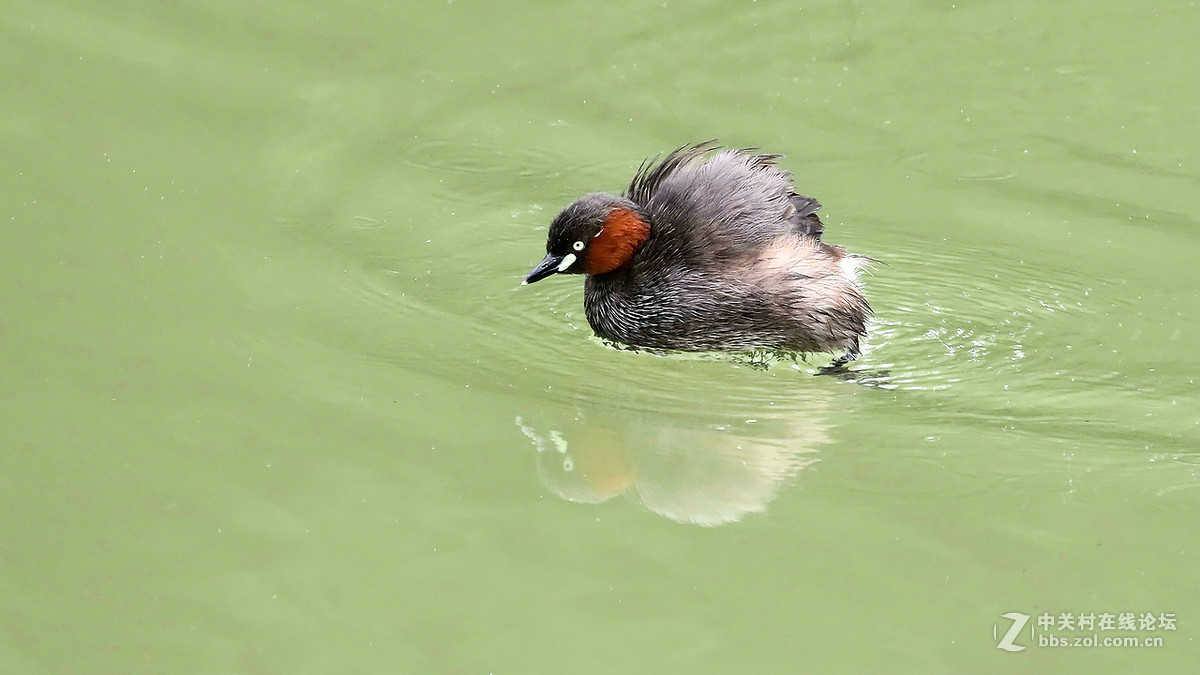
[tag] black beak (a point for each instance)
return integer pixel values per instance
(548, 266)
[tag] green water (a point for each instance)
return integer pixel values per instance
(273, 401)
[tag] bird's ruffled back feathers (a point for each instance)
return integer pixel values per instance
(713, 208)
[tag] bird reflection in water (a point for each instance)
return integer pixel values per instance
(682, 468)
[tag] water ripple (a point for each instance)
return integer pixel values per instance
(491, 172)
(940, 322)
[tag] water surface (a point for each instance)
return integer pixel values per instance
(273, 399)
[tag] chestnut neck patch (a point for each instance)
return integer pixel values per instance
(624, 232)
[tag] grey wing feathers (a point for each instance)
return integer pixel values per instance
(805, 219)
(653, 172)
(722, 203)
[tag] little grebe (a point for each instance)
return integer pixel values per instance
(710, 249)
